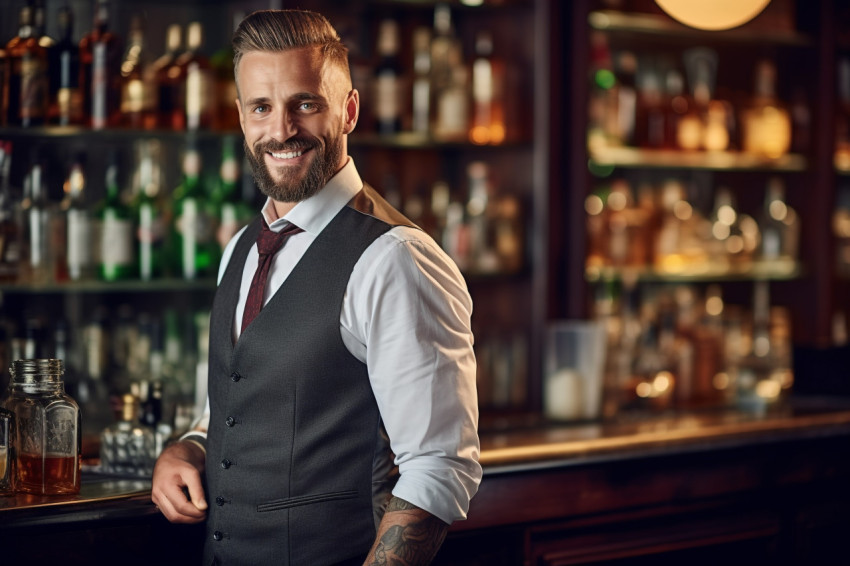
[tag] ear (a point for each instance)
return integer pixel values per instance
(352, 111)
(241, 117)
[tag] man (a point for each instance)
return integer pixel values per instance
(342, 416)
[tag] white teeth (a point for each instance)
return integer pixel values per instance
(286, 154)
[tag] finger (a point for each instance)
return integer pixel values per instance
(180, 510)
(181, 505)
(196, 492)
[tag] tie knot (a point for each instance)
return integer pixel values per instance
(269, 242)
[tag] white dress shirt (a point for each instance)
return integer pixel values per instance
(406, 315)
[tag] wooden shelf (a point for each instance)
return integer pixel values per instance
(716, 161)
(663, 26)
(167, 285)
(757, 271)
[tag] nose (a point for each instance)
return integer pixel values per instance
(284, 125)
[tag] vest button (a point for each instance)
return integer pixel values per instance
(230, 421)
(219, 501)
(235, 376)
(225, 463)
(217, 535)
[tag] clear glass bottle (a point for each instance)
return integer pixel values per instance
(387, 79)
(7, 452)
(128, 447)
(48, 428)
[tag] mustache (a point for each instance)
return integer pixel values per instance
(295, 144)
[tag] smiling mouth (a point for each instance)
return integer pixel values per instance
(286, 154)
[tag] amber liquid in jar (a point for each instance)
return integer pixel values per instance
(58, 474)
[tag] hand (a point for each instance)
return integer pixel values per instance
(177, 471)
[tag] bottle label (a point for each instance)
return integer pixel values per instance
(151, 233)
(421, 99)
(116, 242)
(387, 104)
(79, 243)
(133, 97)
(197, 95)
(99, 86)
(33, 88)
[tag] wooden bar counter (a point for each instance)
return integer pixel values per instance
(682, 488)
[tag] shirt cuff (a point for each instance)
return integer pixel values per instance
(197, 438)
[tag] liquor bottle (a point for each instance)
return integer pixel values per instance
(650, 115)
(841, 227)
(196, 94)
(421, 89)
(116, 230)
(691, 126)
(628, 228)
(842, 127)
(167, 78)
(100, 62)
(625, 68)
(779, 227)
(36, 215)
(483, 258)
(194, 238)
(766, 121)
(601, 81)
(488, 105)
(27, 87)
(65, 73)
(10, 227)
(232, 213)
(679, 243)
(678, 107)
(152, 415)
(596, 226)
(449, 78)
(226, 116)
(137, 98)
(735, 235)
(49, 44)
(127, 446)
(149, 211)
(387, 80)
(78, 254)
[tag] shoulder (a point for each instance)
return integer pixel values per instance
(405, 256)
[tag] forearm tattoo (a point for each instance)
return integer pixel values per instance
(413, 543)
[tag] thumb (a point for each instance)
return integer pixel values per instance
(196, 494)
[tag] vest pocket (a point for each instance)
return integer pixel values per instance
(279, 504)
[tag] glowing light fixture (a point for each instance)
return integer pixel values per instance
(713, 14)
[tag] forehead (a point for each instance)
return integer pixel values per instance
(262, 73)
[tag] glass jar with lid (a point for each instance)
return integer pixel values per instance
(48, 426)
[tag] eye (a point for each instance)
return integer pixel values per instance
(260, 109)
(308, 107)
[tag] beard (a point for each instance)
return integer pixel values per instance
(291, 188)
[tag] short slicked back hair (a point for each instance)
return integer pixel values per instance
(281, 30)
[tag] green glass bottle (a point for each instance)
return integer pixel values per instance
(193, 228)
(150, 212)
(116, 230)
(232, 212)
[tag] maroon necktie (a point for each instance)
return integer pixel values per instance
(268, 244)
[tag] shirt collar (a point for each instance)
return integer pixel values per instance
(316, 212)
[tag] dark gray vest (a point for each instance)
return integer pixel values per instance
(293, 422)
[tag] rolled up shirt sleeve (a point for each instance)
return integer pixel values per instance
(412, 310)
